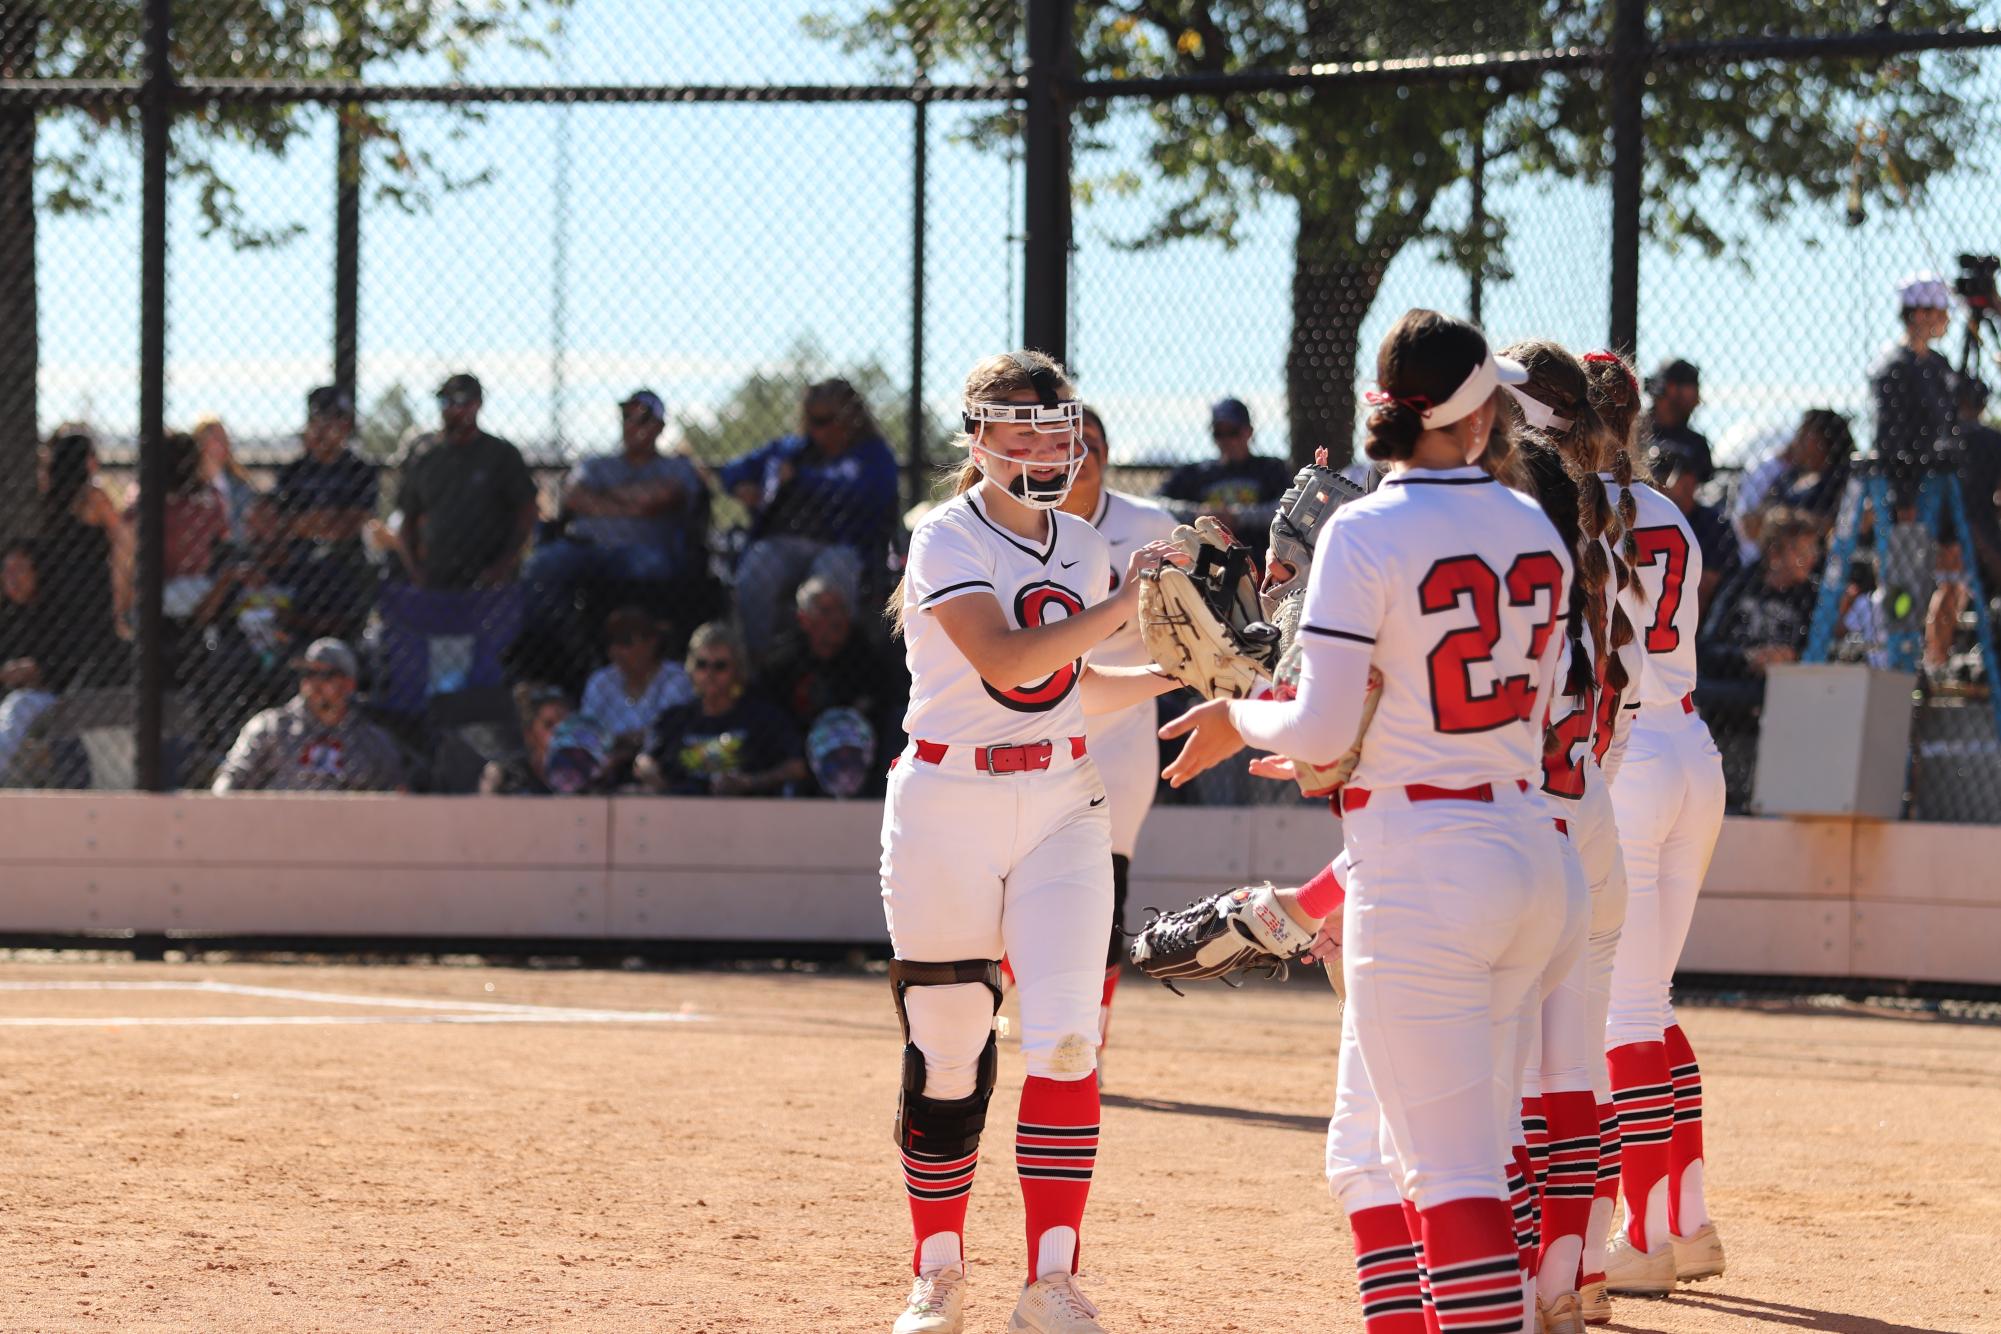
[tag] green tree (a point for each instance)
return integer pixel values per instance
(1364, 166)
(91, 162)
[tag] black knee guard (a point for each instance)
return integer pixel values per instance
(1121, 875)
(942, 1127)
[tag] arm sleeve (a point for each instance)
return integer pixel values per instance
(944, 565)
(1346, 603)
(749, 468)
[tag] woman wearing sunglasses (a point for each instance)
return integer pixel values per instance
(729, 741)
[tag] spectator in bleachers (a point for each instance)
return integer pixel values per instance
(317, 743)
(466, 497)
(542, 709)
(36, 645)
(87, 555)
(822, 502)
(221, 469)
(634, 516)
(824, 663)
(315, 512)
(1763, 615)
(730, 741)
(1980, 477)
(1806, 475)
(1674, 471)
(1911, 385)
(637, 686)
(1237, 486)
(1676, 390)
(195, 523)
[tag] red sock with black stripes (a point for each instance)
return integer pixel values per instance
(1535, 1129)
(1598, 1232)
(1645, 1098)
(1521, 1208)
(1567, 1190)
(1687, 1211)
(938, 1189)
(1055, 1148)
(1386, 1272)
(1476, 1282)
(1414, 1228)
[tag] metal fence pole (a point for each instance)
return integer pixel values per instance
(156, 112)
(347, 246)
(916, 464)
(1046, 150)
(1625, 82)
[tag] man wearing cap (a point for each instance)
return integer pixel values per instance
(633, 515)
(1676, 390)
(1911, 384)
(1236, 486)
(467, 499)
(314, 514)
(316, 743)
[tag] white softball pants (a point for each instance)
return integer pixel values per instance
(976, 866)
(1669, 804)
(1454, 911)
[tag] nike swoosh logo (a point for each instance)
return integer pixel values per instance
(1066, 564)
(1099, 802)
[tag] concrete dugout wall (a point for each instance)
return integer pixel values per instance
(1803, 897)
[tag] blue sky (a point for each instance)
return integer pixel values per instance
(701, 242)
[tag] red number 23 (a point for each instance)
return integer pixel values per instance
(1470, 580)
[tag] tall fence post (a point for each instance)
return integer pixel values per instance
(155, 117)
(1046, 257)
(916, 464)
(20, 32)
(347, 246)
(1625, 82)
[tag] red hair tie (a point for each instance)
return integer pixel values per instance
(1417, 403)
(1602, 355)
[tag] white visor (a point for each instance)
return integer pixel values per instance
(1536, 412)
(1474, 390)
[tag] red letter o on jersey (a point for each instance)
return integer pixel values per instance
(1034, 606)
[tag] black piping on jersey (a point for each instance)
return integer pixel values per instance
(930, 598)
(1338, 634)
(974, 505)
(1405, 479)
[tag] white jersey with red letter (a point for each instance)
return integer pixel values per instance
(1667, 565)
(1584, 726)
(956, 551)
(1124, 743)
(1459, 583)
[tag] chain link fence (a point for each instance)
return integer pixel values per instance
(494, 334)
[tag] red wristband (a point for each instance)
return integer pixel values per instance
(1322, 895)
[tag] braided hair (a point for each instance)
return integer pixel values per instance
(1571, 429)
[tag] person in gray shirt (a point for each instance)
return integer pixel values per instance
(316, 743)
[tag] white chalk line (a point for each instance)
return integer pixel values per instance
(438, 1010)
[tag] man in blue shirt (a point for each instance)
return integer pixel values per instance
(634, 515)
(822, 502)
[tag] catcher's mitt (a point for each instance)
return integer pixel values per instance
(1203, 624)
(1317, 780)
(1243, 930)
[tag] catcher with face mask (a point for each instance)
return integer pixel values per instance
(1212, 627)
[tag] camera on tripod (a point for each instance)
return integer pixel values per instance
(1975, 284)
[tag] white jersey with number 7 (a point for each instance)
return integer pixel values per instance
(1661, 603)
(1459, 583)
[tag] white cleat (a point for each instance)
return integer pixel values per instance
(1632, 1272)
(937, 1304)
(1052, 1305)
(1698, 1255)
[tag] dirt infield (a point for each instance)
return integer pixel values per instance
(403, 1148)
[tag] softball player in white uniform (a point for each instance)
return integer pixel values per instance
(997, 840)
(1668, 798)
(1123, 744)
(1452, 586)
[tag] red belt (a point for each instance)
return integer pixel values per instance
(1688, 703)
(1355, 798)
(1021, 758)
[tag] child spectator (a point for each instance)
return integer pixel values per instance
(730, 741)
